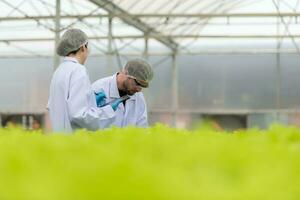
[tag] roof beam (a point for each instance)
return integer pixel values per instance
(134, 21)
(242, 15)
(152, 36)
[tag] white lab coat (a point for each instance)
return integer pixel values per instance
(72, 103)
(135, 110)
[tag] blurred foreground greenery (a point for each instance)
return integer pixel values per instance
(154, 163)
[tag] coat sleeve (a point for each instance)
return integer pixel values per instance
(96, 87)
(142, 120)
(81, 102)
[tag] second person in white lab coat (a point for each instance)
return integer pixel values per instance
(136, 75)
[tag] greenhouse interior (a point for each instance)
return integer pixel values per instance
(234, 62)
(150, 99)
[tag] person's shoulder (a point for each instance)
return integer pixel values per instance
(70, 68)
(76, 71)
(140, 101)
(139, 96)
(103, 81)
(78, 68)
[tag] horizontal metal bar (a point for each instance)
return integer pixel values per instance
(194, 53)
(225, 111)
(234, 36)
(196, 15)
(8, 40)
(17, 112)
(206, 15)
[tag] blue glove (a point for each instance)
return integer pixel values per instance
(100, 98)
(116, 103)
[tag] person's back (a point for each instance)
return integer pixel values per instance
(72, 102)
(59, 92)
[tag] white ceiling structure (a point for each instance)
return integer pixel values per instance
(31, 27)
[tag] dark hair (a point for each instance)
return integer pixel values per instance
(75, 51)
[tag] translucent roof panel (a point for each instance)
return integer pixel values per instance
(28, 26)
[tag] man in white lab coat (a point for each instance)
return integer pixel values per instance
(136, 75)
(72, 102)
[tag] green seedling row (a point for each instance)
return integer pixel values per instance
(154, 163)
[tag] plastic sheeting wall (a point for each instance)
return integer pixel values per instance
(227, 82)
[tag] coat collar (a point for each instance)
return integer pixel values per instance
(71, 59)
(113, 88)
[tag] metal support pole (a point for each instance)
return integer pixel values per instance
(24, 121)
(30, 122)
(57, 34)
(278, 70)
(145, 54)
(109, 47)
(174, 89)
(146, 57)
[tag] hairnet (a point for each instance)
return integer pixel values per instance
(70, 41)
(140, 70)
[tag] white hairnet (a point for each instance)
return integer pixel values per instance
(70, 41)
(140, 70)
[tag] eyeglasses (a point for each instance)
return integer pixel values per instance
(86, 44)
(137, 83)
